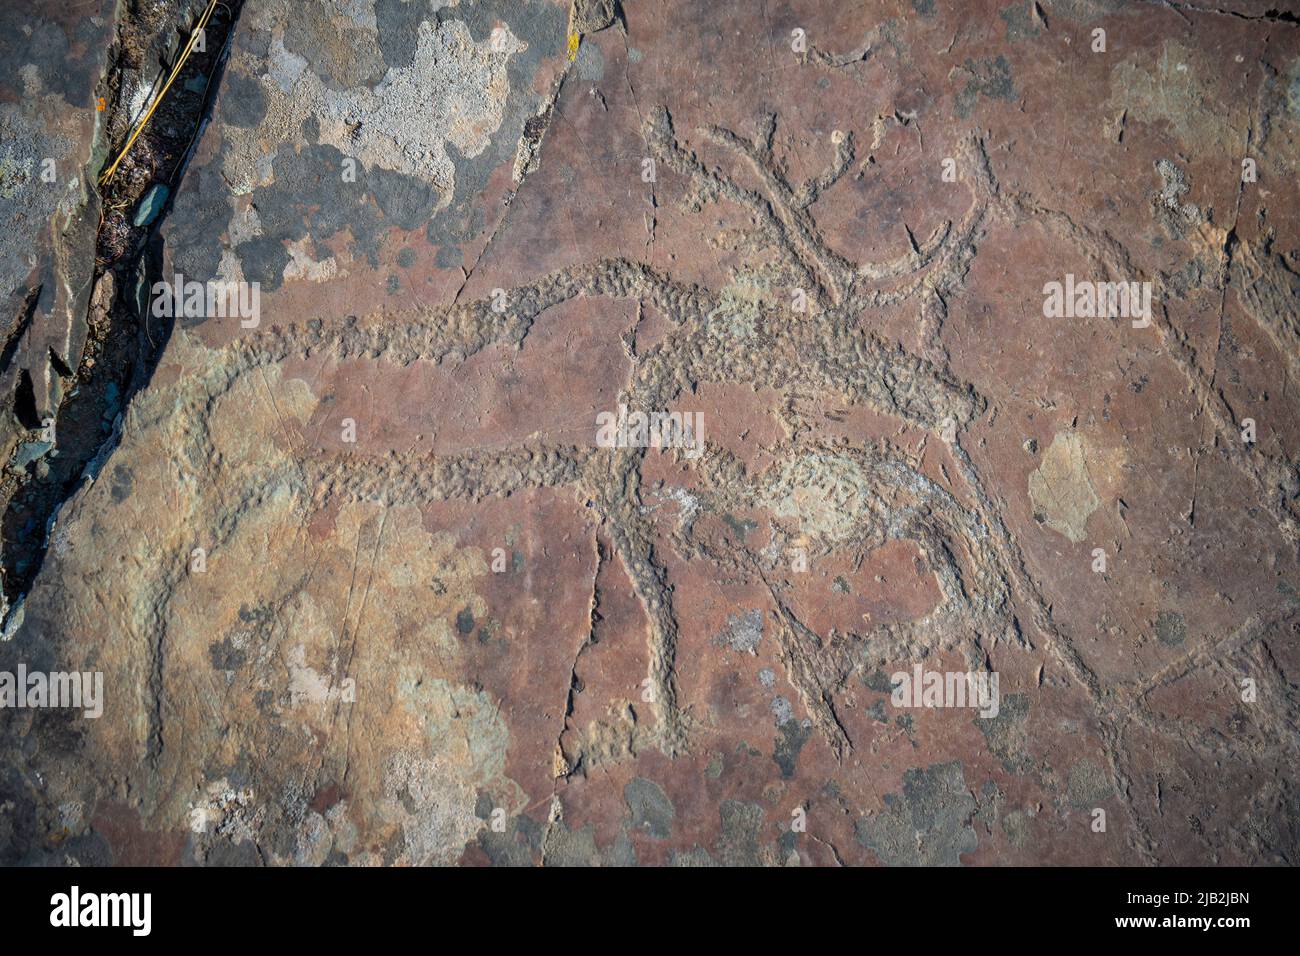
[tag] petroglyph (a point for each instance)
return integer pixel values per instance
(831, 351)
(836, 497)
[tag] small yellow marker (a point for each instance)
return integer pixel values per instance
(573, 47)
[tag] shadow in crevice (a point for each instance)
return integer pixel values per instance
(125, 343)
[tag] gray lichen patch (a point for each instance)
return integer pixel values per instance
(990, 77)
(453, 92)
(652, 812)
(1293, 89)
(928, 824)
(407, 120)
(1171, 629)
(741, 842)
(1174, 215)
(743, 631)
(1088, 784)
(31, 152)
(341, 123)
(792, 736)
(1023, 20)
(1006, 734)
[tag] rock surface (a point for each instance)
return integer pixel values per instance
(54, 58)
(365, 588)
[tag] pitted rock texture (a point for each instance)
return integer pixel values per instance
(365, 588)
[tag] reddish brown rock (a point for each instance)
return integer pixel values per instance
(434, 620)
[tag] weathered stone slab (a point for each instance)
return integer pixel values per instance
(52, 61)
(366, 586)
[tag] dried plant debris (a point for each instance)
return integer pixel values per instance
(520, 433)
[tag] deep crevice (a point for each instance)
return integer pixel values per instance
(25, 401)
(122, 348)
(19, 328)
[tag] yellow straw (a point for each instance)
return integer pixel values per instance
(139, 126)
